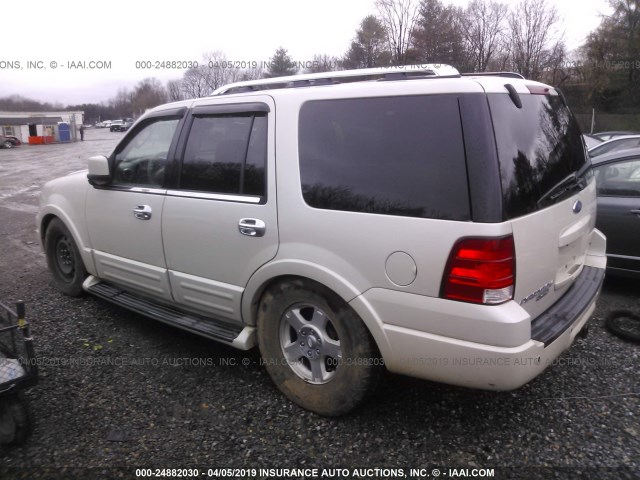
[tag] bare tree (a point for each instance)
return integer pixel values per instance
(558, 69)
(483, 28)
(214, 72)
(399, 20)
(532, 30)
(121, 103)
(174, 91)
(221, 70)
(148, 93)
(252, 73)
(196, 82)
(323, 63)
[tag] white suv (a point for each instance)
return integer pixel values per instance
(439, 224)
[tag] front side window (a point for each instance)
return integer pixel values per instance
(142, 160)
(620, 179)
(392, 155)
(226, 154)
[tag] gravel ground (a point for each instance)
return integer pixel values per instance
(118, 391)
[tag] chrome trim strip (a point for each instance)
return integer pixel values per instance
(214, 196)
(123, 188)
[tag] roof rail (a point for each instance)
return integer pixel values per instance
(405, 72)
(494, 74)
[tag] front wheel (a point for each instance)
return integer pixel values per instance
(316, 349)
(63, 259)
(7, 144)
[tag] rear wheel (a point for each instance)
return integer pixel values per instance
(316, 349)
(63, 258)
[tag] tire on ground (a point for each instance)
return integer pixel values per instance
(63, 259)
(353, 377)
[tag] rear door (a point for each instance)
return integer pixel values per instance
(548, 191)
(219, 221)
(619, 211)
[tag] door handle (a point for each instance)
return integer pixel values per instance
(637, 212)
(252, 227)
(142, 212)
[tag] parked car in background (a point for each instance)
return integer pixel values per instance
(121, 125)
(117, 126)
(604, 136)
(618, 187)
(615, 144)
(591, 140)
(9, 141)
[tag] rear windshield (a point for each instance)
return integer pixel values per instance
(542, 158)
(391, 156)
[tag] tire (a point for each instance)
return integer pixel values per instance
(15, 420)
(624, 324)
(7, 144)
(63, 259)
(316, 349)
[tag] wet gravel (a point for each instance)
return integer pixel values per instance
(119, 392)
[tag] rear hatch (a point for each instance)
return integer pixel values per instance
(547, 188)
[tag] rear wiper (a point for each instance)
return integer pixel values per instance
(568, 184)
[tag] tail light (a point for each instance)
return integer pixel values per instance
(481, 270)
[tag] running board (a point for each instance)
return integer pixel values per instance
(242, 337)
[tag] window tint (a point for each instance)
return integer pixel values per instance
(394, 156)
(539, 148)
(142, 161)
(226, 154)
(620, 179)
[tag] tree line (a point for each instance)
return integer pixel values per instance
(485, 36)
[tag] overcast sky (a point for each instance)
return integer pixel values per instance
(52, 34)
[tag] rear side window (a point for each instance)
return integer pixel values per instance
(540, 151)
(226, 154)
(392, 155)
(620, 179)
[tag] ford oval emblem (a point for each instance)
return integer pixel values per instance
(577, 207)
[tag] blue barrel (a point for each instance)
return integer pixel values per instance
(64, 132)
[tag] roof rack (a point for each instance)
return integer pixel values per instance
(406, 72)
(494, 74)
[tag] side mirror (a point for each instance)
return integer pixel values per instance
(99, 171)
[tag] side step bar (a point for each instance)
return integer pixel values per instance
(242, 337)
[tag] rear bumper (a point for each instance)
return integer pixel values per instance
(552, 323)
(441, 358)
